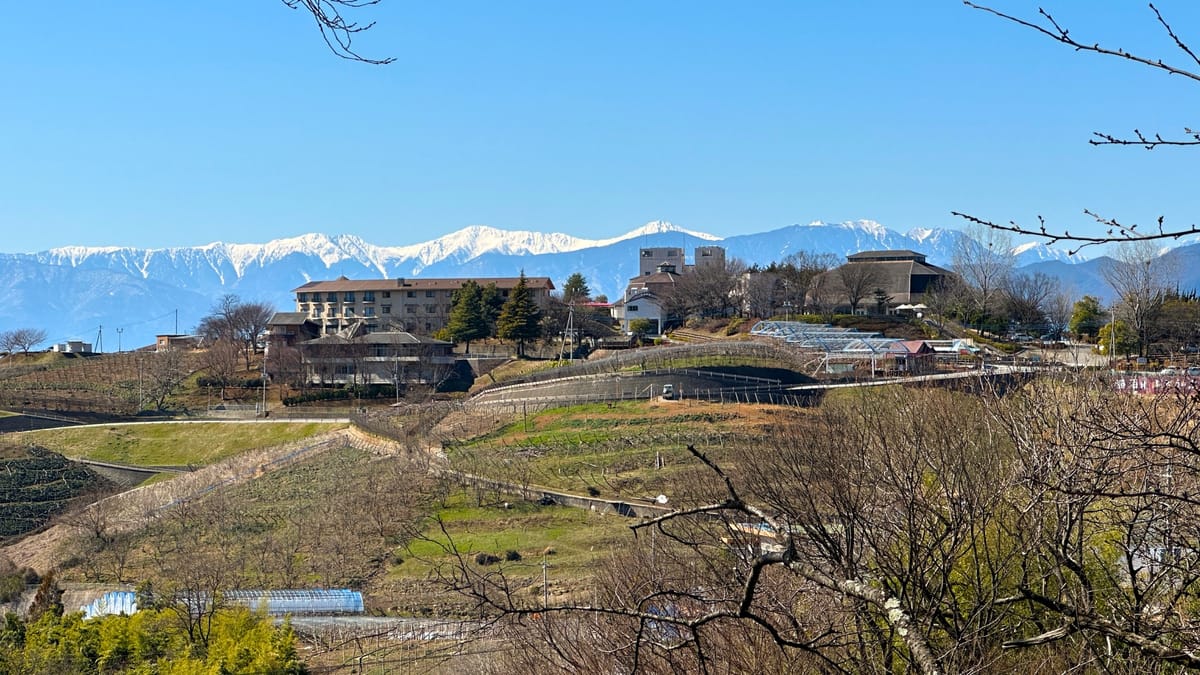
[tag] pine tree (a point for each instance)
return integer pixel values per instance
(492, 302)
(467, 320)
(576, 288)
(519, 318)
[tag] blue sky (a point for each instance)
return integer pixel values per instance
(150, 123)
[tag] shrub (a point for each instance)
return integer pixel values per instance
(484, 559)
(512, 556)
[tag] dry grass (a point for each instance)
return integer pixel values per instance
(170, 443)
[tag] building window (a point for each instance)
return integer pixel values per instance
(368, 296)
(387, 294)
(429, 294)
(329, 311)
(411, 294)
(387, 309)
(631, 308)
(449, 308)
(349, 296)
(368, 311)
(302, 297)
(349, 312)
(430, 309)
(331, 297)
(428, 326)
(410, 309)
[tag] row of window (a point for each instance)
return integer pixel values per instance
(331, 310)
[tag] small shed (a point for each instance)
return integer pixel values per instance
(915, 357)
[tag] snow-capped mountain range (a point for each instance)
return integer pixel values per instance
(90, 292)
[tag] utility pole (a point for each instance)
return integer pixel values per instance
(568, 332)
(545, 582)
(119, 331)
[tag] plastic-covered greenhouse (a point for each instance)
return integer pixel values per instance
(321, 601)
(318, 601)
(113, 602)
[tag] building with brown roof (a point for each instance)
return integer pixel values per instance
(419, 306)
(902, 276)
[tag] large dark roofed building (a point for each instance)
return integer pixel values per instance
(419, 306)
(902, 274)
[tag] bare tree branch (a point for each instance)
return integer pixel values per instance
(337, 31)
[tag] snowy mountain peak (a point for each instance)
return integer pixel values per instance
(663, 227)
(868, 226)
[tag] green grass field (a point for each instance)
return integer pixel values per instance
(577, 538)
(167, 443)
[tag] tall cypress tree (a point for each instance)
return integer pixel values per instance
(467, 321)
(519, 318)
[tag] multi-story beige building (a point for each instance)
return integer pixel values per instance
(419, 306)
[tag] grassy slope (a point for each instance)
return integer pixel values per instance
(614, 449)
(574, 536)
(167, 443)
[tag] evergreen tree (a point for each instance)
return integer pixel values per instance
(576, 288)
(467, 320)
(492, 301)
(1088, 316)
(519, 318)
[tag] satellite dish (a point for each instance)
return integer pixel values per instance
(661, 499)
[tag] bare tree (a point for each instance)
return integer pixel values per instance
(798, 272)
(1059, 308)
(21, 339)
(760, 291)
(1140, 277)
(161, 373)
(857, 281)
(221, 360)
(242, 323)
(1051, 528)
(983, 258)
(1115, 231)
(1026, 297)
(705, 291)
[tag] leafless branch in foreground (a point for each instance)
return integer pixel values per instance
(1116, 231)
(337, 31)
(1052, 29)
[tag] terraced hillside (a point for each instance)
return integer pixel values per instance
(36, 485)
(114, 384)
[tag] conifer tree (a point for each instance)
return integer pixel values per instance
(519, 318)
(467, 321)
(576, 288)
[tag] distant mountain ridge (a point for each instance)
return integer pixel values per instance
(73, 291)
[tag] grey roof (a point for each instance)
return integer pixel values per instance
(890, 255)
(288, 319)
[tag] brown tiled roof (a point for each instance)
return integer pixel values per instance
(447, 284)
